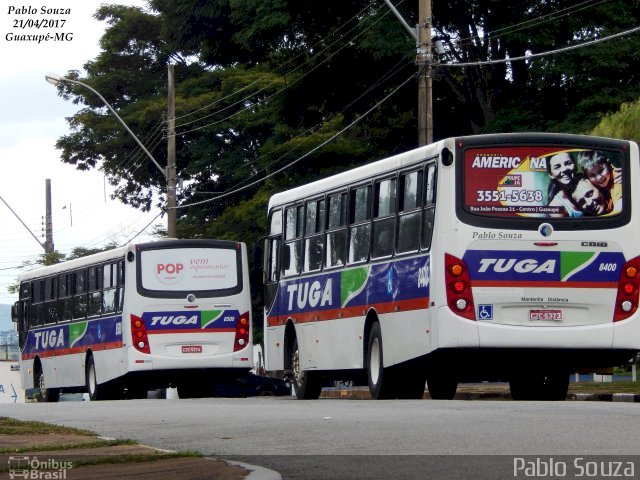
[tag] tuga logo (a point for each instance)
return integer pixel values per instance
(502, 265)
(169, 273)
(49, 339)
(312, 294)
(174, 320)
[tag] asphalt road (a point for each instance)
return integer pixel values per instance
(347, 438)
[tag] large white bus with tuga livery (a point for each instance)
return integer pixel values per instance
(511, 257)
(135, 318)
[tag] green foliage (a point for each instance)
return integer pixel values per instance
(624, 124)
(259, 83)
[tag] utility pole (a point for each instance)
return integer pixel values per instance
(48, 222)
(425, 83)
(424, 60)
(171, 155)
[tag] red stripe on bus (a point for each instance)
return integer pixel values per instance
(542, 284)
(69, 351)
(350, 312)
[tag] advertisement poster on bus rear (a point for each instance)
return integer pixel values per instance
(542, 181)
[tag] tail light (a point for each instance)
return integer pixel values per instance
(628, 288)
(139, 334)
(243, 329)
(458, 284)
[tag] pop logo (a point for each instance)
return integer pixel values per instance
(169, 273)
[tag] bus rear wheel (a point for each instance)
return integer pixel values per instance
(441, 386)
(46, 394)
(112, 390)
(381, 380)
(306, 384)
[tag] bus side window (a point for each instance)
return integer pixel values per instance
(336, 244)
(292, 255)
(429, 207)
(50, 299)
(120, 280)
(65, 300)
(410, 213)
(360, 219)
(95, 291)
(109, 288)
(314, 236)
(37, 303)
(384, 223)
(80, 294)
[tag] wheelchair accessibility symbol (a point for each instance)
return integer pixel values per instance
(485, 312)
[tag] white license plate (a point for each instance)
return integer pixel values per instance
(545, 315)
(191, 349)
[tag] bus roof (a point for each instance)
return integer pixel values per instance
(355, 175)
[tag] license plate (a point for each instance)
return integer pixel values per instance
(192, 349)
(545, 315)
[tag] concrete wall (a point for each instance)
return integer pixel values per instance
(10, 387)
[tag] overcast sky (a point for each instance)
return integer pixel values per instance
(32, 119)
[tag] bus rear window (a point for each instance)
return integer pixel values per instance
(541, 181)
(189, 270)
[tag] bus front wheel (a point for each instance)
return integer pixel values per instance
(306, 384)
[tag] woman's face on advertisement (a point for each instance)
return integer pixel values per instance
(599, 174)
(562, 169)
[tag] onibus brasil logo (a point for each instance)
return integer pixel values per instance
(38, 469)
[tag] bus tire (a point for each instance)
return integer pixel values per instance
(441, 386)
(306, 384)
(380, 379)
(107, 391)
(46, 394)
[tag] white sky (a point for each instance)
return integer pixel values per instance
(32, 118)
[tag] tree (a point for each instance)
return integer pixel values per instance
(262, 82)
(624, 124)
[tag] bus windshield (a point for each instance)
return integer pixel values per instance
(536, 181)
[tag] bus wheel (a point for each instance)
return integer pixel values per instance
(46, 394)
(441, 386)
(107, 391)
(381, 381)
(306, 384)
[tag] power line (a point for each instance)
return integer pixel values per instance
(541, 54)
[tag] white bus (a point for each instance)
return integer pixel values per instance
(139, 317)
(511, 257)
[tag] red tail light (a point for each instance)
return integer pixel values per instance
(139, 335)
(243, 328)
(628, 288)
(459, 296)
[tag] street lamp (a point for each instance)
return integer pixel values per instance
(55, 79)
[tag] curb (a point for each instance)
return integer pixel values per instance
(363, 394)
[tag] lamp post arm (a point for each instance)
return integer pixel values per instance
(23, 224)
(164, 172)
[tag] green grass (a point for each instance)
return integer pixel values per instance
(11, 426)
